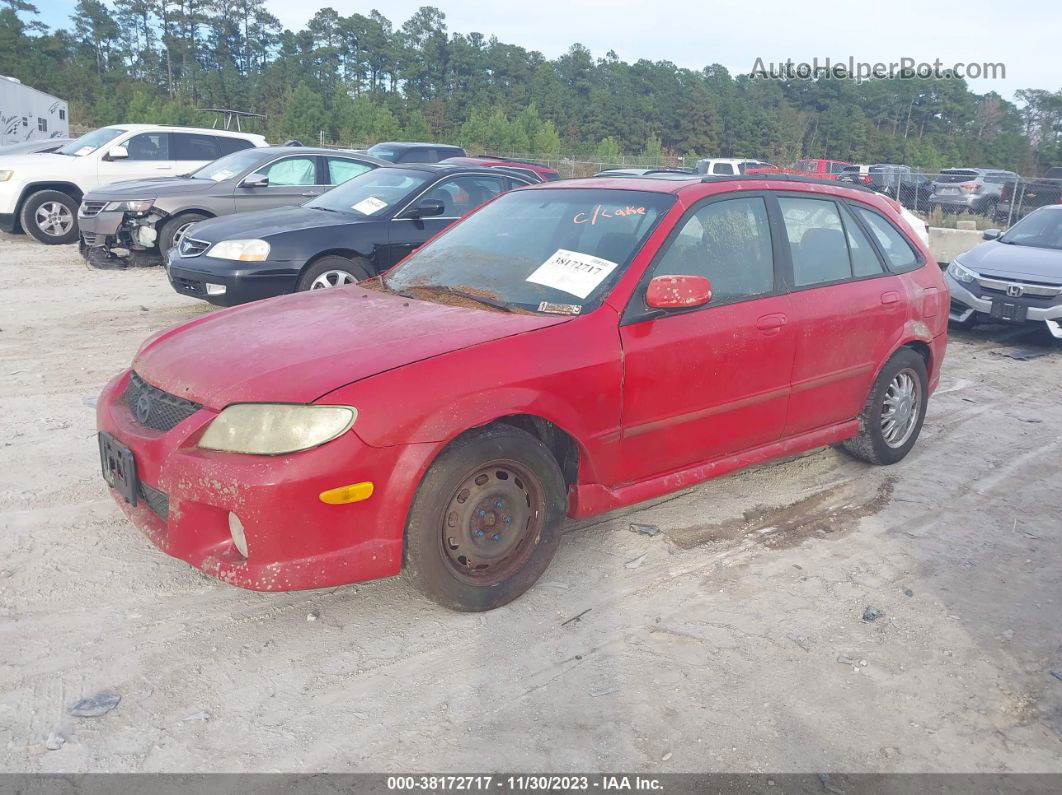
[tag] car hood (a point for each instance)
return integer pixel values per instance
(296, 348)
(263, 223)
(152, 188)
(40, 162)
(1009, 261)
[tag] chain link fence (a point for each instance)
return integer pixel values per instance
(989, 198)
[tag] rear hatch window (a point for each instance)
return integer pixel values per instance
(957, 175)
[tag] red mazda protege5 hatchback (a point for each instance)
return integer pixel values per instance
(567, 349)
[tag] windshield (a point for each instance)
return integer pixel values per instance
(552, 250)
(228, 166)
(383, 152)
(1041, 229)
(90, 142)
(373, 192)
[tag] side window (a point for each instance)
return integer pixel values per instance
(149, 146)
(902, 257)
(817, 240)
(340, 169)
(864, 261)
(42, 124)
(729, 243)
(227, 145)
(292, 171)
(189, 146)
(461, 195)
(723, 168)
(62, 114)
(836, 168)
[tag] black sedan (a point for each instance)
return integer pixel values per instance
(350, 233)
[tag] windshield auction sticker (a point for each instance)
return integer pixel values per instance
(572, 272)
(369, 206)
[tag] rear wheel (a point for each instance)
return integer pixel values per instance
(484, 522)
(172, 232)
(334, 271)
(895, 409)
(50, 217)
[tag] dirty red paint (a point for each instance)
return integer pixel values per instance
(653, 406)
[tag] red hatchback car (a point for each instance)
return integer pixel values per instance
(566, 349)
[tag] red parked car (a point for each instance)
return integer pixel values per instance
(567, 349)
(818, 168)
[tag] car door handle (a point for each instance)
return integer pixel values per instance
(890, 297)
(308, 194)
(771, 323)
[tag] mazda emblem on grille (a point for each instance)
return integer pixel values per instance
(143, 408)
(1015, 290)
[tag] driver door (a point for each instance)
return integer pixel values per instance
(292, 180)
(149, 156)
(708, 382)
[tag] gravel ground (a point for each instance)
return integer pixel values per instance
(734, 640)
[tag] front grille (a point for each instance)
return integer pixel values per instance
(156, 500)
(154, 408)
(91, 208)
(189, 286)
(1028, 288)
(190, 247)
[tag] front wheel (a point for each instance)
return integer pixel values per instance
(333, 271)
(50, 217)
(485, 521)
(895, 409)
(172, 232)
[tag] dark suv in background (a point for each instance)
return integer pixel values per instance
(903, 183)
(408, 152)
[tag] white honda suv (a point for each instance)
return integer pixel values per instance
(41, 192)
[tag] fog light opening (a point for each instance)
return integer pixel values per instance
(239, 538)
(215, 289)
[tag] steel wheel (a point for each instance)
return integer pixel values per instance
(492, 522)
(332, 279)
(54, 218)
(900, 409)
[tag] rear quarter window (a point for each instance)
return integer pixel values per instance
(900, 254)
(227, 145)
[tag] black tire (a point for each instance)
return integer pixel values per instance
(174, 228)
(497, 479)
(57, 212)
(356, 269)
(872, 444)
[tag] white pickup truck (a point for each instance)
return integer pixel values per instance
(40, 192)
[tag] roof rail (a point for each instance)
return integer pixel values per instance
(787, 178)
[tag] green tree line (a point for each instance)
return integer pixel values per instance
(360, 79)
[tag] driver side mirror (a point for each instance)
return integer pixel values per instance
(428, 208)
(678, 292)
(255, 181)
(117, 153)
(991, 234)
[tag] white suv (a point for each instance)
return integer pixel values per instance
(41, 192)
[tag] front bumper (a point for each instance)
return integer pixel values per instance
(965, 304)
(8, 223)
(243, 281)
(118, 234)
(294, 541)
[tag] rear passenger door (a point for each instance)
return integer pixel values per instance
(846, 311)
(708, 382)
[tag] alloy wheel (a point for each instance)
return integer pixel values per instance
(332, 279)
(54, 219)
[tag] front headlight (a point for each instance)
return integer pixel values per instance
(276, 428)
(960, 273)
(135, 206)
(6, 174)
(243, 250)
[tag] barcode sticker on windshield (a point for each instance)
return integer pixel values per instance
(572, 272)
(369, 205)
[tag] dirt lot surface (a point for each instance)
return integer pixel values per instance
(733, 640)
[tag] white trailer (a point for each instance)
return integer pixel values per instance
(27, 114)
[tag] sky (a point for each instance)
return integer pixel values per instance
(735, 33)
